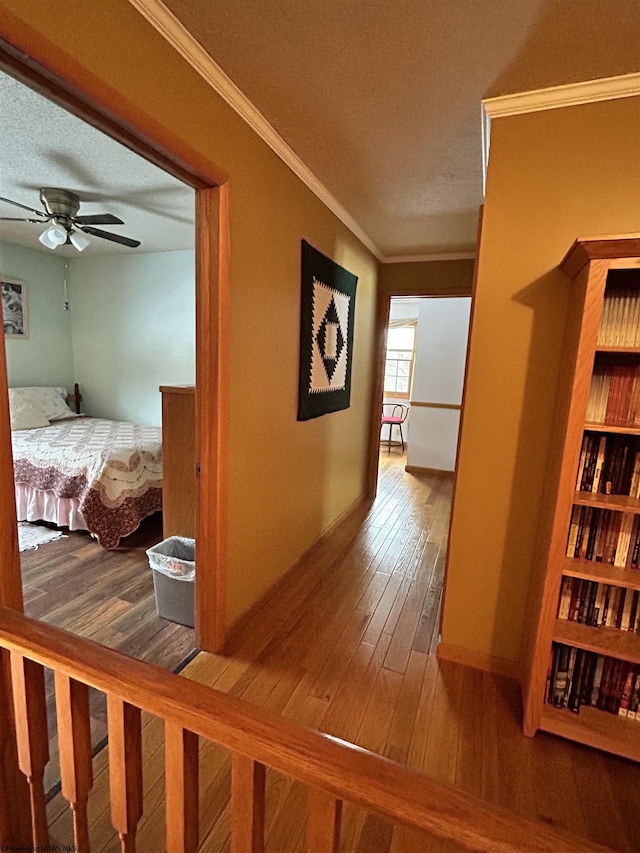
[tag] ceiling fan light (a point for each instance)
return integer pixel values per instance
(79, 240)
(52, 237)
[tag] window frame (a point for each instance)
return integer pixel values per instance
(403, 395)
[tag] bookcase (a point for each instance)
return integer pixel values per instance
(583, 677)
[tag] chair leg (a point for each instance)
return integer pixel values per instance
(401, 436)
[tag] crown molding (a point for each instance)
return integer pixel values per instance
(568, 95)
(442, 256)
(173, 31)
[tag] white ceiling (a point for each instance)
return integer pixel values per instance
(45, 146)
(379, 98)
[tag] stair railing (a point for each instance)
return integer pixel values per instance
(332, 770)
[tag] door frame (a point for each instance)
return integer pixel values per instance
(212, 260)
(383, 308)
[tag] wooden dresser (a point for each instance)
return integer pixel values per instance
(178, 460)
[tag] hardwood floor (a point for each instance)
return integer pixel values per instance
(349, 648)
(106, 596)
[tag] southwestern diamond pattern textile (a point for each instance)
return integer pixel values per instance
(326, 335)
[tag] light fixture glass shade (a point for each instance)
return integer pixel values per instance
(55, 235)
(79, 240)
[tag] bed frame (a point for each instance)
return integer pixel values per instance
(74, 400)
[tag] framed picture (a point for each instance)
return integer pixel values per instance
(326, 335)
(14, 307)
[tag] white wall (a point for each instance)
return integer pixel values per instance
(44, 357)
(441, 345)
(133, 330)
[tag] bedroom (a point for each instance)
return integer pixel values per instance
(118, 321)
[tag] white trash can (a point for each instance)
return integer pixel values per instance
(174, 571)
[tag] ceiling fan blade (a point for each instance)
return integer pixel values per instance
(24, 207)
(98, 219)
(18, 219)
(107, 235)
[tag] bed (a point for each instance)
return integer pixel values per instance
(80, 472)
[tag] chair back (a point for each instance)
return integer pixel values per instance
(396, 412)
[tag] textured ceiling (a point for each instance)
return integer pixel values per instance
(44, 146)
(381, 98)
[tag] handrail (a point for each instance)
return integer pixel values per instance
(344, 770)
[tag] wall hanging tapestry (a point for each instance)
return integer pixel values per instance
(326, 335)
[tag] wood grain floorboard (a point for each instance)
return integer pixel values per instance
(348, 647)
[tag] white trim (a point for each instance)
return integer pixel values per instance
(569, 95)
(443, 256)
(181, 39)
(485, 137)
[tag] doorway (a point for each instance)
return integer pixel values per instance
(435, 395)
(211, 289)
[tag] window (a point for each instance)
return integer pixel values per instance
(398, 368)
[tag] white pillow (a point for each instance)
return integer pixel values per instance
(50, 401)
(26, 416)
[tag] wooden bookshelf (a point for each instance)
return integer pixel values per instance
(619, 430)
(607, 641)
(603, 731)
(602, 336)
(601, 573)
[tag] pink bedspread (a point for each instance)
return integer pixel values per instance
(113, 470)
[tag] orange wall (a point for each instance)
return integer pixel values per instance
(287, 480)
(553, 176)
(433, 278)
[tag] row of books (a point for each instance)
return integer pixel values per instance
(609, 464)
(599, 604)
(620, 320)
(577, 677)
(604, 536)
(614, 396)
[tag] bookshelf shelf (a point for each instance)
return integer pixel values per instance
(600, 381)
(621, 503)
(605, 641)
(598, 728)
(601, 573)
(617, 430)
(618, 350)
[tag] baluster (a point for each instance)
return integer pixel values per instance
(15, 810)
(181, 780)
(125, 769)
(74, 737)
(323, 822)
(30, 706)
(247, 805)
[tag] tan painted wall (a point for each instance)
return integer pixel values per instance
(553, 176)
(287, 481)
(427, 278)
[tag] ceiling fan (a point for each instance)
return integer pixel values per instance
(65, 228)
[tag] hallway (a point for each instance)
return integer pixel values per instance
(347, 646)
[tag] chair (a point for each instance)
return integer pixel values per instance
(394, 414)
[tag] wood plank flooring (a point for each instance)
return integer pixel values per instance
(349, 648)
(106, 596)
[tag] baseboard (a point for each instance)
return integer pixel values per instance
(417, 469)
(284, 581)
(478, 660)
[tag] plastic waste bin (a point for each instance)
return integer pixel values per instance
(174, 571)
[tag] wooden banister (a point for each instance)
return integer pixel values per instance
(125, 768)
(247, 805)
(323, 822)
(340, 770)
(74, 737)
(30, 705)
(181, 780)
